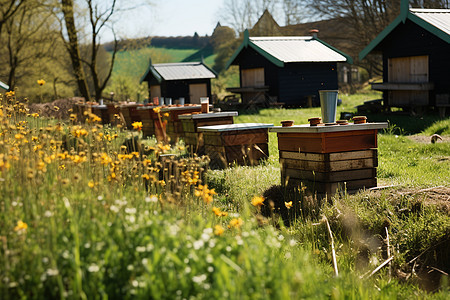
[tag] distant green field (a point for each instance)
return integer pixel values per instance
(134, 63)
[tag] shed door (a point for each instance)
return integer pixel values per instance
(410, 69)
(196, 91)
(253, 77)
(155, 91)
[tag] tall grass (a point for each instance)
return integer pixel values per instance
(83, 217)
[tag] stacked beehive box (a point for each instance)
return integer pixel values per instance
(329, 158)
(114, 114)
(243, 144)
(174, 128)
(102, 112)
(190, 122)
(130, 114)
(151, 124)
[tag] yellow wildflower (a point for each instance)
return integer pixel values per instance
(205, 193)
(19, 136)
(10, 94)
(157, 110)
(258, 201)
(137, 126)
(288, 204)
(91, 184)
(41, 82)
(73, 117)
(21, 226)
(35, 115)
(146, 177)
(218, 230)
(166, 114)
(236, 223)
(219, 213)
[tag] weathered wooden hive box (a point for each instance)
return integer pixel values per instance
(243, 144)
(151, 125)
(79, 109)
(130, 114)
(102, 112)
(329, 158)
(190, 122)
(113, 113)
(174, 129)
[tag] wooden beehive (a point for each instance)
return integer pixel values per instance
(102, 112)
(174, 128)
(190, 122)
(329, 158)
(130, 114)
(243, 144)
(151, 124)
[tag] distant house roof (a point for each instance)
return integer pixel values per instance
(179, 71)
(435, 21)
(284, 49)
(4, 86)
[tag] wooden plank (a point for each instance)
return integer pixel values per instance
(331, 166)
(330, 176)
(328, 142)
(329, 156)
(212, 121)
(332, 187)
(244, 139)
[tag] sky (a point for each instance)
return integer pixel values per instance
(169, 18)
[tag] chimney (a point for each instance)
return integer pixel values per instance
(314, 32)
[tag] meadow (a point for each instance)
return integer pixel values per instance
(83, 217)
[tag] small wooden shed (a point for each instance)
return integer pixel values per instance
(415, 49)
(188, 80)
(285, 69)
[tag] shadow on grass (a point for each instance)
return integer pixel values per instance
(405, 123)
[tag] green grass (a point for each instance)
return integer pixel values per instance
(97, 229)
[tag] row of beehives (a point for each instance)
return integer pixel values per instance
(323, 158)
(213, 134)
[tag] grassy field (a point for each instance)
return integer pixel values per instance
(83, 217)
(131, 65)
(134, 63)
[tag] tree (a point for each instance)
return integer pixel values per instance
(294, 11)
(73, 48)
(25, 30)
(98, 20)
(243, 14)
(366, 19)
(7, 9)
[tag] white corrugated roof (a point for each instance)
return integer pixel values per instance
(187, 70)
(439, 18)
(297, 49)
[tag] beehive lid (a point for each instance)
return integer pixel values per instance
(306, 128)
(209, 115)
(231, 127)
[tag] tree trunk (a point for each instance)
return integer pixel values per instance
(73, 48)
